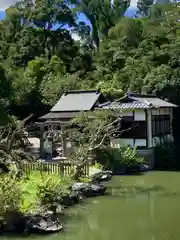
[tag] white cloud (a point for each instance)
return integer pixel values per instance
(133, 3)
(6, 3)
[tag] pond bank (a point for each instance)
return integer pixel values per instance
(147, 209)
(45, 218)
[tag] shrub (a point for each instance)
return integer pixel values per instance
(31, 193)
(52, 188)
(41, 189)
(129, 156)
(98, 165)
(117, 158)
(10, 195)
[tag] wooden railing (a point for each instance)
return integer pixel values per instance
(56, 168)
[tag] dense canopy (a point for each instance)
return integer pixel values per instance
(39, 58)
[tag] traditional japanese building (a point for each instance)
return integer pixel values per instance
(68, 107)
(72, 103)
(147, 119)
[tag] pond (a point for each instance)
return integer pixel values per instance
(144, 207)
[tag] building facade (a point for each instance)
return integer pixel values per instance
(146, 122)
(146, 119)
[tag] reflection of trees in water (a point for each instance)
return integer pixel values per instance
(135, 190)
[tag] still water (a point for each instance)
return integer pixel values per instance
(145, 207)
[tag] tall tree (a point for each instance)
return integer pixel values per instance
(144, 7)
(102, 14)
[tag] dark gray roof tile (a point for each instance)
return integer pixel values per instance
(156, 102)
(77, 101)
(131, 105)
(133, 101)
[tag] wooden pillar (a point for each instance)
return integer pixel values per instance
(171, 120)
(42, 141)
(149, 129)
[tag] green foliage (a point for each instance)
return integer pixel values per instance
(43, 190)
(97, 165)
(102, 15)
(129, 156)
(10, 195)
(50, 189)
(38, 63)
(109, 90)
(89, 131)
(118, 158)
(144, 7)
(84, 180)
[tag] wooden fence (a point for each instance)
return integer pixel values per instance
(56, 168)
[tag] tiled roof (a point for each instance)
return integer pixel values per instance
(131, 105)
(77, 101)
(133, 101)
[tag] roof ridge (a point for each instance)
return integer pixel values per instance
(104, 104)
(131, 94)
(82, 91)
(148, 103)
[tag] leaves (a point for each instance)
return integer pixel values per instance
(39, 59)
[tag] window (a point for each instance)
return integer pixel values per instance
(133, 129)
(160, 125)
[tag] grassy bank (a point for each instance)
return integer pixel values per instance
(32, 193)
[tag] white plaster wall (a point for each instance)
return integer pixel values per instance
(139, 115)
(126, 113)
(149, 129)
(119, 142)
(114, 143)
(126, 142)
(140, 142)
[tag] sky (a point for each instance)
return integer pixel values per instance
(7, 3)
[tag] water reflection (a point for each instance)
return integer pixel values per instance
(135, 208)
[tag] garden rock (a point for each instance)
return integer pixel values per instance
(89, 190)
(138, 168)
(102, 176)
(46, 224)
(38, 223)
(71, 199)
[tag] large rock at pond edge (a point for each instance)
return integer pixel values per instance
(38, 224)
(137, 168)
(102, 176)
(89, 190)
(71, 199)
